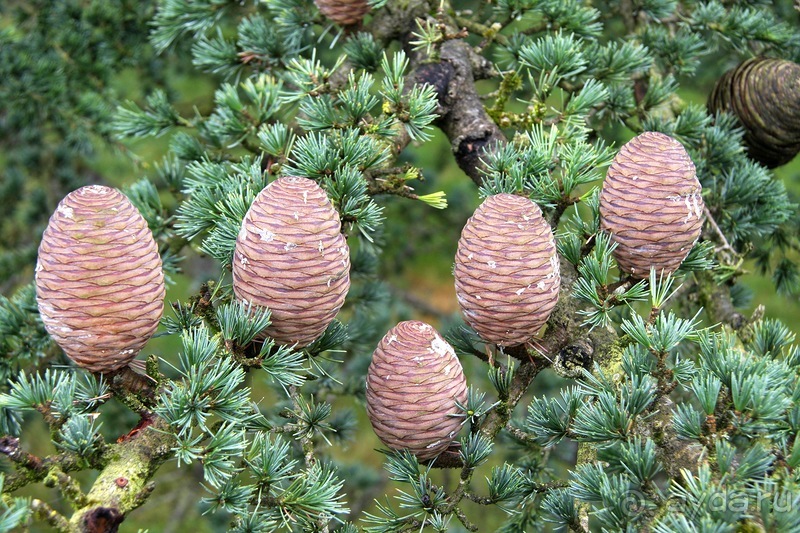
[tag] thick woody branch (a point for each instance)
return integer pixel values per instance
(462, 117)
(124, 483)
(396, 19)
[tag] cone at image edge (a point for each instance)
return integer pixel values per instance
(99, 280)
(764, 94)
(343, 12)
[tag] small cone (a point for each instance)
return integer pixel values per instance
(413, 383)
(99, 283)
(765, 95)
(651, 204)
(292, 258)
(507, 270)
(343, 12)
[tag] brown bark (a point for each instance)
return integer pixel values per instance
(125, 481)
(462, 117)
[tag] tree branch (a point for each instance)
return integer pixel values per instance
(47, 514)
(32, 469)
(124, 483)
(462, 117)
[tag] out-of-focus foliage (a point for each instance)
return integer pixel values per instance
(59, 62)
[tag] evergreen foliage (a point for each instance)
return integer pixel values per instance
(673, 412)
(58, 65)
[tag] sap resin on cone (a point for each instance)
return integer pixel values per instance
(99, 281)
(651, 204)
(413, 384)
(344, 12)
(292, 258)
(507, 271)
(765, 95)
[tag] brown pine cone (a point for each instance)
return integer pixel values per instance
(99, 282)
(292, 258)
(413, 383)
(507, 270)
(765, 95)
(651, 204)
(343, 12)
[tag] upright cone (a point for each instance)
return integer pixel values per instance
(651, 204)
(292, 258)
(506, 270)
(765, 95)
(99, 281)
(344, 12)
(413, 384)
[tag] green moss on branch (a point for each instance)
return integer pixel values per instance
(125, 481)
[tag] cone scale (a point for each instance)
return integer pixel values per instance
(413, 384)
(506, 270)
(99, 279)
(292, 258)
(651, 204)
(344, 12)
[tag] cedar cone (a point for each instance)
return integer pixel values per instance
(413, 384)
(343, 12)
(765, 95)
(292, 258)
(99, 282)
(507, 270)
(651, 204)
